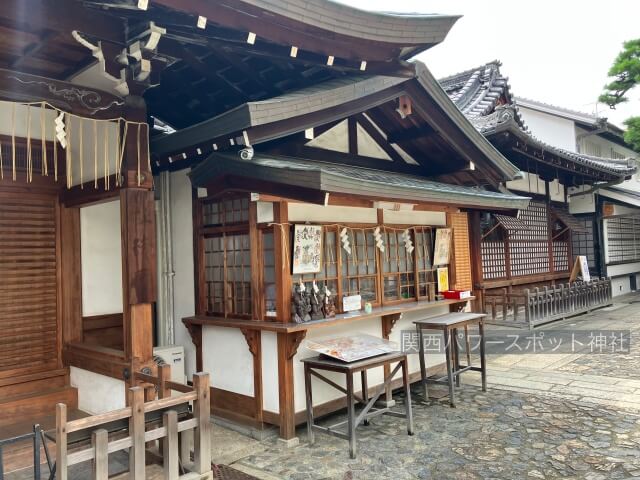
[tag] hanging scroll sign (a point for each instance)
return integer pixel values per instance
(307, 249)
(442, 248)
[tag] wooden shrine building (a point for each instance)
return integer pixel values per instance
(538, 248)
(361, 157)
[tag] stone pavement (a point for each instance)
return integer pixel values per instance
(564, 416)
(545, 416)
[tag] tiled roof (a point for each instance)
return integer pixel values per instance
(339, 178)
(484, 95)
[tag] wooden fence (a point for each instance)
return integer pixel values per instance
(541, 305)
(144, 422)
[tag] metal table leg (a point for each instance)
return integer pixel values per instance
(456, 356)
(423, 367)
(448, 345)
(483, 359)
(365, 391)
(308, 391)
(351, 419)
(407, 394)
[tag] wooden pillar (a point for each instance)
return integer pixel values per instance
(547, 194)
(475, 239)
(202, 413)
(138, 230)
(257, 292)
(287, 347)
(282, 252)
(70, 275)
(136, 431)
(61, 442)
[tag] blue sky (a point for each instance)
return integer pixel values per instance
(556, 51)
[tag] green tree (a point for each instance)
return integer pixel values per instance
(626, 75)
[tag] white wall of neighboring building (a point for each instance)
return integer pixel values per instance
(551, 129)
(183, 283)
(101, 259)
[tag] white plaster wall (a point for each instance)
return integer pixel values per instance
(532, 183)
(226, 357)
(97, 393)
(304, 212)
(270, 398)
(620, 285)
(101, 259)
(183, 282)
(553, 130)
(585, 203)
(409, 217)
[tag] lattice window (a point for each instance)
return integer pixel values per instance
(427, 282)
(623, 239)
(493, 260)
(269, 273)
(227, 260)
(398, 273)
(225, 212)
(359, 270)
(561, 255)
(535, 217)
(461, 251)
(583, 242)
(529, 258)
(329, 274)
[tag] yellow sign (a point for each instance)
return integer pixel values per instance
(443, 279)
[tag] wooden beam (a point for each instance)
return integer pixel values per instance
(63, 16)
(90, 102)
(410, 134)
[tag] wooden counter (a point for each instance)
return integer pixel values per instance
(204, 320)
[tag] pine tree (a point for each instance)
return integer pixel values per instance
(626, 75)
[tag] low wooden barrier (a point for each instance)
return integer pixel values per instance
(136, 436)
(541, 305)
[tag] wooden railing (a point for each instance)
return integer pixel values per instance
(541, 305)
(133, 427)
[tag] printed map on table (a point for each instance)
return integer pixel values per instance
(353, 347)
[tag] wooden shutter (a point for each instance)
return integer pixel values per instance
(28, 286)
(461, 251)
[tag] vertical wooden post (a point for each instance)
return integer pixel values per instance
(71, 275)
(198, 257)
(61, 441)
(170, 445)
(286, 393)
(201, 411)
(283, 261)
(164, 375)
(257, 292)
(100, 463)
(288, 344)
(136, 431)
(475, 240)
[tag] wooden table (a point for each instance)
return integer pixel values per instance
(311, 365)
(449, 325)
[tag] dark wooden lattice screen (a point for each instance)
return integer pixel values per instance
(530, 248)
(583, 243)
(623, 239)
(493, 260)
(28, 287)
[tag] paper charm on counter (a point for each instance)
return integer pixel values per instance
(61, 134)
(408, 244)
(378, 237)
(344, 237)
(327, 294)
